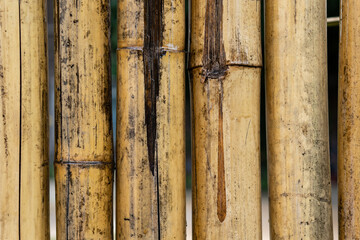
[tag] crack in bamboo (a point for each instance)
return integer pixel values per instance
(20, 111)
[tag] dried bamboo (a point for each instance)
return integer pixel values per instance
(83, 133)
(225, 67)
(34, 179)
(348, 122)
(24, 157)
(297, 120)
(151, 120)
(10, 127)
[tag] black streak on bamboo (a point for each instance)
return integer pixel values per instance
(214, 67)
(152, 54)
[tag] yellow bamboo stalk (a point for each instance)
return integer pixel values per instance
(297, 120)
(348, 122)
(34, 167)
(24, 157)
(151, 120)
(84, 153)
(10, 127)
(226, 66)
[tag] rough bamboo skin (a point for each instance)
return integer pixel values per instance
(297, 120)
(24, 161)
(348, 122)
(151, 120)
(83, 133)
(225, 71)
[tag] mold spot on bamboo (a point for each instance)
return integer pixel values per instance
(152, 54)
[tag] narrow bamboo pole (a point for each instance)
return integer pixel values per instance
(84, 152)
(348, 122)
(151, 120)
(226, 66)
(34, 166)
(24, 200)
(297, 120)
(10, 127)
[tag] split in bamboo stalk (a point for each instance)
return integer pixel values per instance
(297, 120)
(24, 161)
(151, 120)
(226, 67)
(84, 152)
(349, 122)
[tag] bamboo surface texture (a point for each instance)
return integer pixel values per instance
(151, 120)
(225, 66)
(83, 132)
(349, 122)
(24, 163)
(297, 120)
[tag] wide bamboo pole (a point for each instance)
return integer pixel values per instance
(24, 160)
(84, 152)
(225, 67)
(151, 120)
(349, 122)
(297, 120)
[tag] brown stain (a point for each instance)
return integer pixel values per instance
(152, 54)
(214, 67)
(221, 194)
(214, 57)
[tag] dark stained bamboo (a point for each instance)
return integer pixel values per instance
(151, 120)
(24, 160)
(226, 64)
(297, 120)
(349, 122)
(83, 133)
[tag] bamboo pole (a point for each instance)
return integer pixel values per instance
(10, 127)
(225, 67)
(84, 153)
(24, 156)
(348, 122)
(151, 120)
(297, 120)
(34, 167)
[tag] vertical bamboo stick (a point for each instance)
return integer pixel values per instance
(226, 66)
(348, 122)
(151, 120)
(297, 120)
(84, 153)
(24, 158)
(10, 127)
(34, 166)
